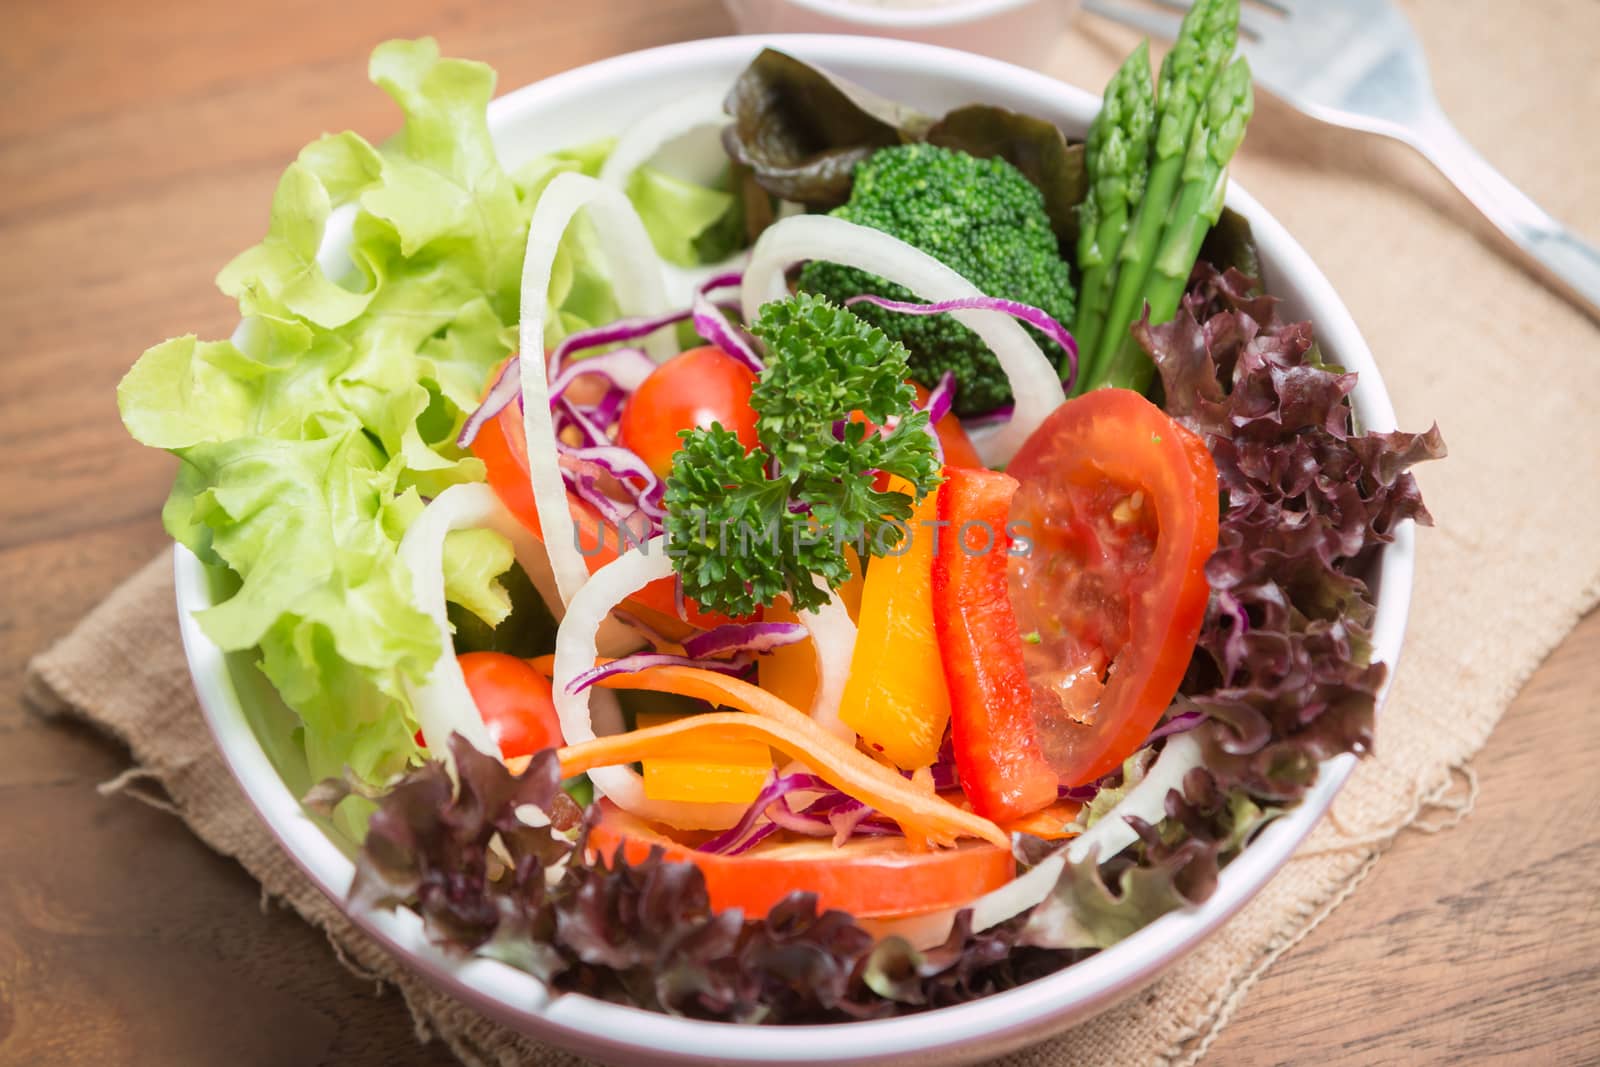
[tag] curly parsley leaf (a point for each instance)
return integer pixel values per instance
(746, 527)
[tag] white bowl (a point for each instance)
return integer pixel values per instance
(249, 722)
(1017, 31)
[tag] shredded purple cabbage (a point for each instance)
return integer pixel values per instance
(629, 329)
(713, 325)
(994, 417)
(940, 398)
(831, 814)
(731, 280)
(506, 388)
(641, 661)
(744, 637)
(753, 826)
(624, 368)
(1179, 723)
(658, 640)
(802, 823)
(1041, 320)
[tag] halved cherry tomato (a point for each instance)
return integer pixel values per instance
(515, 701)
(504, 452)
(690, 391)
(868, 877)
(1120, 505)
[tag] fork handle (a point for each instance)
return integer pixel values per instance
(1564, 257)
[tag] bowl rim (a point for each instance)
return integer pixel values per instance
(951, 13)
(993, 1024)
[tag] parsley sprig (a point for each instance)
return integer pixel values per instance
(744, 528)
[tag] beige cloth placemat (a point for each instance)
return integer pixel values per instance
(1511, 374)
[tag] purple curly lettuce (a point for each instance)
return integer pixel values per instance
(488, 883)
(1284, 659)
(1282, 674)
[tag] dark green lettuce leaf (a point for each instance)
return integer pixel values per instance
(801, 131)
(527, 629)
(1230, 245)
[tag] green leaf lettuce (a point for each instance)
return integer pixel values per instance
(310, 439)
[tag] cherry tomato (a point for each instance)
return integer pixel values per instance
(1118, 505)
(515, 701)
(504, 452)
(690, 391)
(874, 877)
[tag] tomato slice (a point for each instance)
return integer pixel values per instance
(515, 701)
(690, 391)
(1120, 505)
(876, 877)
(502, 447)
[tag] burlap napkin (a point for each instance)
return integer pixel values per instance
(1511, 374)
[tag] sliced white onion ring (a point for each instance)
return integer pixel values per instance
(833, 636)
(1017, 895)
(679, 139)
(1033, 378)
(648, 135)
(637, 283)
(1148, 800)
(443, 703)
(1025, 891)
(575, 653)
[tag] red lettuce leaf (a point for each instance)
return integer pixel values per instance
(1284, 660)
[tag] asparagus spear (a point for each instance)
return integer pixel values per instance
(1205, 42)
(1117, 156)
(1217, 134)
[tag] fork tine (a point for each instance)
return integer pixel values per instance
(1250, 26)
(1163, 27)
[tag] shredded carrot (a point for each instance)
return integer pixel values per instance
(776, 723)
(1049, 823)
(922, 782)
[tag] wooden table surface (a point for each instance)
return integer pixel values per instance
(139, 145)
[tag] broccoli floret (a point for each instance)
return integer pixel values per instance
(982, 218)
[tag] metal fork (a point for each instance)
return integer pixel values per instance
(1356, 63)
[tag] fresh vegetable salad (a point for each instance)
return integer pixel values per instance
(885, 574)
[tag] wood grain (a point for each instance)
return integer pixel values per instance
(138, 151)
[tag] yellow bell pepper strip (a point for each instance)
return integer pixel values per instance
(772, 722)
(705, 772)
(896, 698)
(999, 757)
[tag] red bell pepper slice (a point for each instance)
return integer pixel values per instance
(999, 757)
